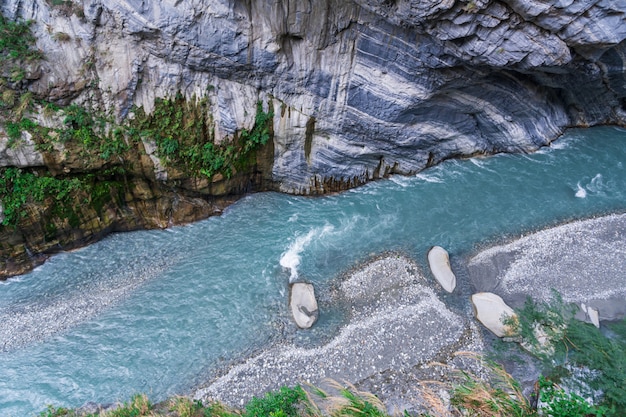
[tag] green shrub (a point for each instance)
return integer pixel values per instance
(183, 133)
(57, 412)
(580, 345)
(558, 403)
(16, 41)
(14, 130)
(281, 403)
(18, 188)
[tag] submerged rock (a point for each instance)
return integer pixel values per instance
(303, 304)
(439, 263)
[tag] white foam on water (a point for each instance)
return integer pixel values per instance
(290, 259)
(400, 180)
(482, 162)
(429, 178)
(563, 142)
(596, 186)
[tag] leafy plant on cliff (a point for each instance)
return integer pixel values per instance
(18, 188)
(16, 42)
(89, 132)
(260, 133)
(183, 133)
(16, 53)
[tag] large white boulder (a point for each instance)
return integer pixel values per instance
(439, 263)
(491, 311)
(303, 304)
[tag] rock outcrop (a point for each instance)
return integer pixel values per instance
(359, 89)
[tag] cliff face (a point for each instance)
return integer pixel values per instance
(356, 90)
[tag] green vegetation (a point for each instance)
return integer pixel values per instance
(286, 402)
(558, 403)
(185, 140)
(181, 129)
(16, 53)
(16, 42)
(579, 346)
(88, 132)
(282, 403)
(18, 188)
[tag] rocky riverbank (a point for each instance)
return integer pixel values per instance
(402, 326)
(584, 261)
(399, 326)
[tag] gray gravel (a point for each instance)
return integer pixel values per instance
(32, 321)
(398, 326)
(584, 261)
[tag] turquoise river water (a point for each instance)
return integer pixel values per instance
(191, 298)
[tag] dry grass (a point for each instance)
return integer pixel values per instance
(345, 400)
(499, 396)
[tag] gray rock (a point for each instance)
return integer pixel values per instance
(591, 313)
(303, 304)
(361, 88)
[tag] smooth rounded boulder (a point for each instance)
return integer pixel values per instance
(439, 263)
(303, 304)
(491, 311)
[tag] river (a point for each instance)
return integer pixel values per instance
(157, 311)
